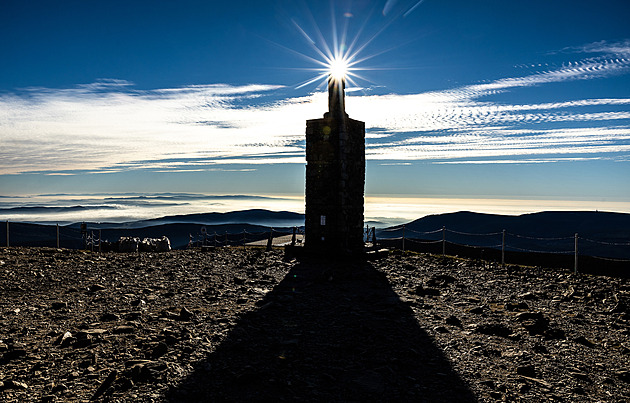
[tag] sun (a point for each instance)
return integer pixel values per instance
(337, 58)
(341, 56)
(338, 68)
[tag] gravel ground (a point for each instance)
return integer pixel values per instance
(235, 324)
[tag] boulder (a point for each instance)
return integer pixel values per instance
(128, 244)
(163, 244)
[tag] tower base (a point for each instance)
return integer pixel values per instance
(335, 182)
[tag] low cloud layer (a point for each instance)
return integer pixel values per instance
(109, 126)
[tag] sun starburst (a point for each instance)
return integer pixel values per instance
(338, 68)
(337, 65)
(342, 56)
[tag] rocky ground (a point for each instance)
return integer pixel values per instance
(236, 324)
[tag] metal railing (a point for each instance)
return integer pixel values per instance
(92, 239)
(501, 243)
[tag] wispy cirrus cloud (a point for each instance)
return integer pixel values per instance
(109, 126)
(466, 122)
(616, 48)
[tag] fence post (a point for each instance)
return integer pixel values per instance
(215, 239)
(374, 237)
(92, 241)
(244, 238)
(100, 240)
(443, 240)
(7, 233)
(270, 240)
(403, 239)
(294, 236)
(57, 235)
(84, 235)
(503, 249)
(575, 264)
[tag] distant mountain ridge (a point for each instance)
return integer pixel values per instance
(252, 216)
(542, 224)
(179, 228)
(605, 234)
(53, 209)
(599, 233)
(258, 217)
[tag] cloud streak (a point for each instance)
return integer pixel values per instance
(109, 126)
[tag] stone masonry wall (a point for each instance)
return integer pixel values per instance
(335, 182)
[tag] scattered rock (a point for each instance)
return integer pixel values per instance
(578, 390)
(494, 329)
(59, 305)
(496, 395)
(528, 296)
(426, 291)
(139, 327)
(96, 287)
(185, 314)
(441, 280)
(123, 329)
(454, 321)
(441, 329)
(584, 341)
(534, 322)
(62, 387)
(239, 280)
(109, 317)
(581, 376)
(521, 306)
(14, 354)
(105, 384)
(540, 349)
(554, 334)
(159, 350)
(536, 381)
(624, 375)
(478, 310)
(526, 370)
(65, 339)
(13, 384)
(620, 307)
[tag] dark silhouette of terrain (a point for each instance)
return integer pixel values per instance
(253, 217)
(529, 232)
(25, 234)
(601, 234)
(329, 331)
(49, 209)
(178, 228)
(601, 225)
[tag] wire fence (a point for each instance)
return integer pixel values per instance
(506, 242)
(401, 237)
(272, 237)
(110, 238)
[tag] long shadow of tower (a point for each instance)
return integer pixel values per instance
(329, 331)
(335, 177)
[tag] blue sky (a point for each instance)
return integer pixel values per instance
(463, 100)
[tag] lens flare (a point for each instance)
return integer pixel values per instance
(338, 56)
(338, 68)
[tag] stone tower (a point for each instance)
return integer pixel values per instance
(335, 178)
